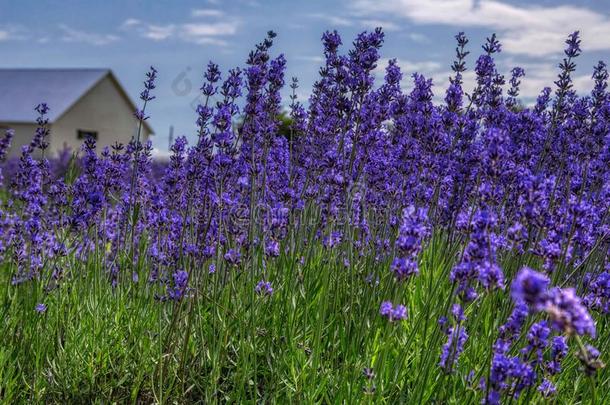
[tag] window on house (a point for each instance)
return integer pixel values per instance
(84, 134)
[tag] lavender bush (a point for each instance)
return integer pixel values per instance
(391, 248)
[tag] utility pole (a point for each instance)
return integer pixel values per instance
(171, 137)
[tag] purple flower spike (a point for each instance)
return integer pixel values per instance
(530, 287)
(569, 314)
(399, 313)
(451, 351)
(386, 308)
(393, 313)
(547, 388)
(264, 288)
(177, 291)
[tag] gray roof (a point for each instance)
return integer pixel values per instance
(21, 90)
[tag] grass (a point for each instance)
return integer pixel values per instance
(308, 343)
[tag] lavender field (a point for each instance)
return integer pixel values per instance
(386, 242)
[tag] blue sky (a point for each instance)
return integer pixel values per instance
(180, 37)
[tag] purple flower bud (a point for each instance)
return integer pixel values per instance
(397, 313)
(264, 288)
(386, 308)
(530, 287)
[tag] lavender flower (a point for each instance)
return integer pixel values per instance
(386, 308)
(264, 288)
(568, 313)
(530, 287)
(559, 350)
(598, 292)
(547, 389)
(456, 339)
(538, 340)
(590, 359)
(409, 243)
(368, 373)
(179, 287)
(233, 257)
(146, 95)
(393, 313)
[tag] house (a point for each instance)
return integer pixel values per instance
(82, 102)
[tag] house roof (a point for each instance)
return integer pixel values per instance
(21, 90)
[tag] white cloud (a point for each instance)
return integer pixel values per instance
(312, 59)
(528, 30)
(333, 20)
(386, 25)
(204, 33)
(417, 37)
(206, 13)
(74, 35)
(149, 31)
(208, 34)
(408, 67)
(130, 22)
(207, 41)
(12, 32)
(159, 32)
(209, 30)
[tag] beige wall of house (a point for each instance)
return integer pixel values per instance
(102, 109)
(23, 135)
